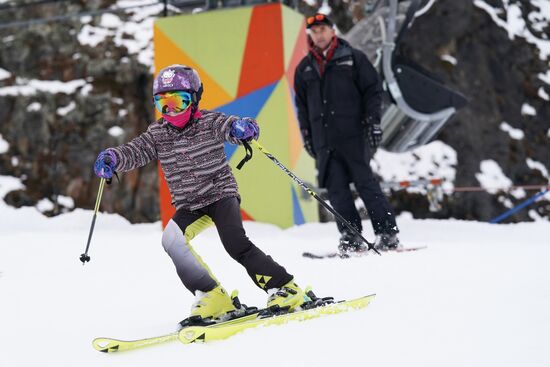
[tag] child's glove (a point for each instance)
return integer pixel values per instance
(245, 129)
(105, 164)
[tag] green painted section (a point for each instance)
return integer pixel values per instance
(292, 22)
(264, 188)
(215, 40)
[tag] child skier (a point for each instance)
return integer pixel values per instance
(189, 143)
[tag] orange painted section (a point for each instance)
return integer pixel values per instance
(263, 61)
(167, 210)
(245, 215)
(294, 136)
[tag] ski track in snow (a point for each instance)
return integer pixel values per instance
(479, 295)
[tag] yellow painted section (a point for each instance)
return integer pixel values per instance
(167, 53)
(266, 190)
(215, 40)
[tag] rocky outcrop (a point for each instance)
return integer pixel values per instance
(55, 131)
(54, 137)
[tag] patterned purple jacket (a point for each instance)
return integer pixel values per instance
(193, 159)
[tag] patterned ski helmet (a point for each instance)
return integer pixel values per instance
(178, 77)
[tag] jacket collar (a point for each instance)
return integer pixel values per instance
(338, 49)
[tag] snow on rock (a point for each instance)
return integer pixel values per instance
(62, 111)
(44, 205)
(527, 109)
(116, 131)
(135, 34)
(512, 21)
(507, 203)
(518, 193)
(66, 201)
(7, 184)
(450, 59)
(540, 18)
(531, 163)
(433, 160)
(491, 177)
(92, 36)
(516, 134)
(4, 146)
(28, 87)
(424, 9)
(325, 8)
(109, 20)
(542, 94)
(34, 107)
(545, 77)
(4, 74)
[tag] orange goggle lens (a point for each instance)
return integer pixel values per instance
(318, 17)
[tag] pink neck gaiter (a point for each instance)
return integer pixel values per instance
(182, 119)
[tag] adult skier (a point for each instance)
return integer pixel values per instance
(189, 143)
(338, 98)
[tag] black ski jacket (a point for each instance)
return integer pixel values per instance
(333, 109)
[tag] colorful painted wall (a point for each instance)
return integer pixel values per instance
(246, 58)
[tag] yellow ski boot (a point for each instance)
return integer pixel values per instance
(289, 296)
(214, 304)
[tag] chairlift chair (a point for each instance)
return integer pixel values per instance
(417, 105)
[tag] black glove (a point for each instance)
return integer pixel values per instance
(308, 143)
(374, 134)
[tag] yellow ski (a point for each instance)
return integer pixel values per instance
(109, 345)
(194, 334)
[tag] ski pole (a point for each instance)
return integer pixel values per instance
(85, 257)
(312, 193)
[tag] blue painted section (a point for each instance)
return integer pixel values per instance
(249, 105)
(297, 214)
(519, 207)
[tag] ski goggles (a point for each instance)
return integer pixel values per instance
(177, 101)
(318, 19)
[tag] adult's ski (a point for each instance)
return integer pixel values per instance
(337, 254)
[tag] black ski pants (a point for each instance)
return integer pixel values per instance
(341, 171)
(226, 215)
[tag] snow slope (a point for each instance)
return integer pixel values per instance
(479, 295)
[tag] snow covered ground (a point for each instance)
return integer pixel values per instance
(479, 295)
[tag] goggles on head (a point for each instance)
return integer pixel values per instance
(318, 19)
(177, 101)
